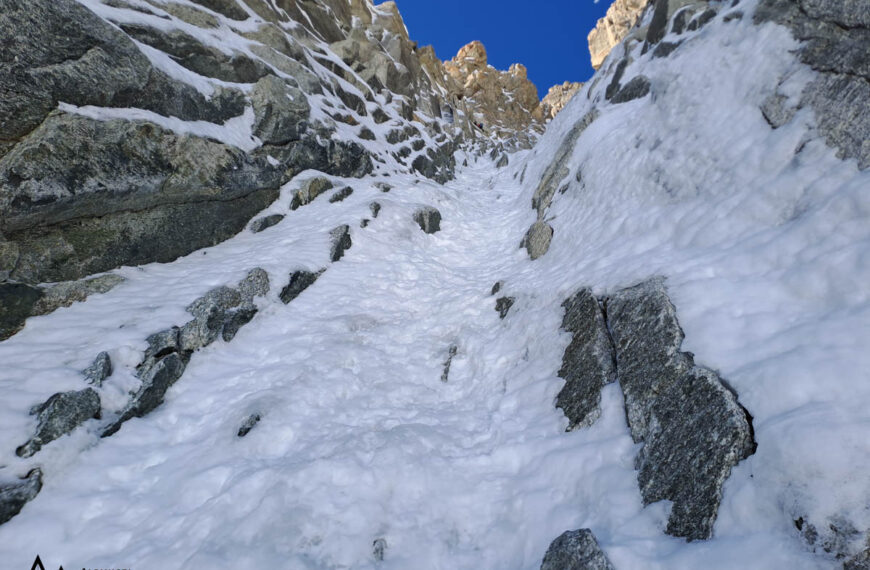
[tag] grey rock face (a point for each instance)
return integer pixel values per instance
(341, 195)
(693, 429)
(228, 8)
(576, 550)
(538, 238)
(280, 111)
(340, 242)
(836, 36)
(16, 304)
(13, 496)
(429, 219)
(70, 222)
(64, 52)
(588, 363)
(59, 415)
(265, 222)
(658, 24)
(299, 282)
(197, 57)
(99, 370)
(310, 190)
(502, 162)
(375, 208)
(558, 168)
(635, 89)
(438, 163)
(503, 305)
(248, 425)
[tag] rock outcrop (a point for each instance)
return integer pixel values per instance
(689, 420)
(219, 313)
(557, 97)
(59, 415)
(589, 362)
(576, 550)
(613, 28)
(834, 35)
(429, 219)
(14, 495)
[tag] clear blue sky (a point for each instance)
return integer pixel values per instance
(547, 36)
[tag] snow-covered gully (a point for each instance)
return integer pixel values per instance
(438, 346)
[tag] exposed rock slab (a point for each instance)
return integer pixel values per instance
(281, 112)
(693, 429)
(588, 363)
(835, 36)
(576, 550)
(59, 415)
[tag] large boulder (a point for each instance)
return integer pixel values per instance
(690, 422)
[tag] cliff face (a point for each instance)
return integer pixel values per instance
(122, 123)
(613, 27)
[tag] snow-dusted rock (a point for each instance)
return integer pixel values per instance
(14, 495)
(576, 550)
(266, 222)
(429, 219)
(59, 415)
(588, 363)
(99, 370)
(299, 282)
(692, 427)
(280, 111)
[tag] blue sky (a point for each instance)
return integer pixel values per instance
(547, 36)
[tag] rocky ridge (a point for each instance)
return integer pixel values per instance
(136, 133)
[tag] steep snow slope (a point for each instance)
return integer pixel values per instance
(762, 235)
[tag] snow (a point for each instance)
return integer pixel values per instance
(237, 132)
(763, 236)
